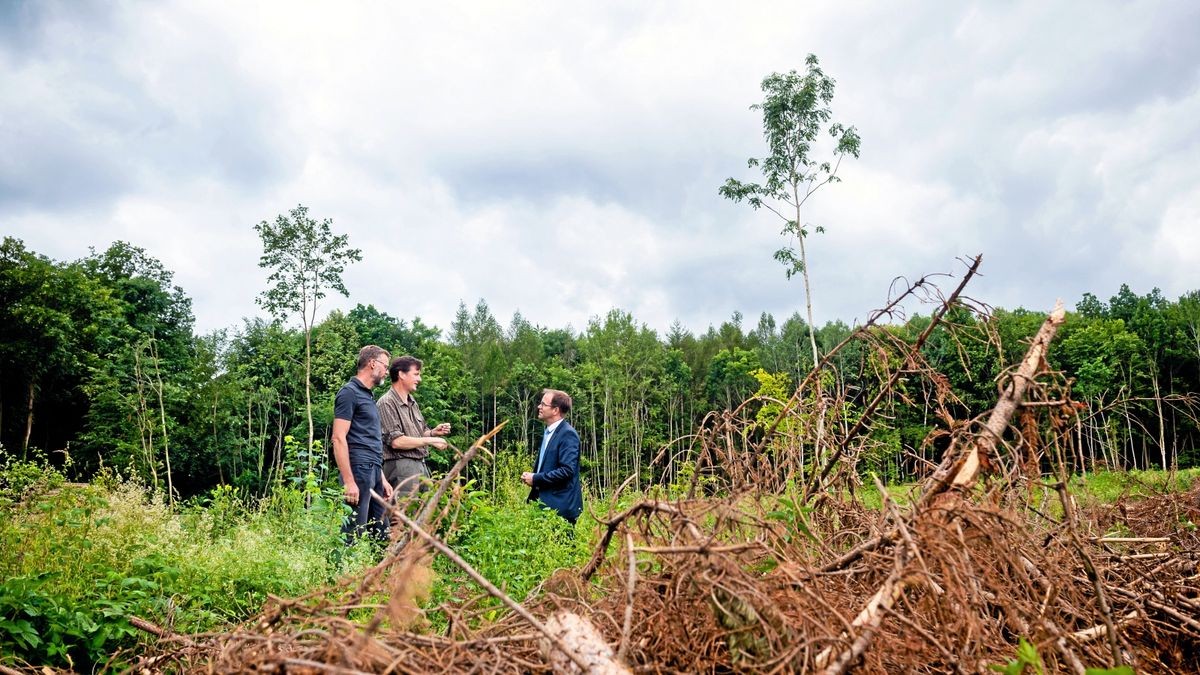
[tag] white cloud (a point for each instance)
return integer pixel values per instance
(563, 160)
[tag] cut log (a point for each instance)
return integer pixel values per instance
(579, 635)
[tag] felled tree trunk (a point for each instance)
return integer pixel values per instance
(961, 471)
(957, 472)
(578, 634)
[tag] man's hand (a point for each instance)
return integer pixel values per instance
(351, 492)
(388, 490)
(439, 443)
(442, 429)
(527, 478)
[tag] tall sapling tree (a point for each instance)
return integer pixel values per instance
(795, 112)
(307, 259)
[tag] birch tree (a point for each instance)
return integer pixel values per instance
(796, 113)
(306, 260)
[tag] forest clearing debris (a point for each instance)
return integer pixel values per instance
(771, 562)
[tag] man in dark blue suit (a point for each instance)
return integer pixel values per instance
(555, 475)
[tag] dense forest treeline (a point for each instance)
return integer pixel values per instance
(100, 366)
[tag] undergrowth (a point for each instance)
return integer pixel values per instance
(514, 545)
(78, 561)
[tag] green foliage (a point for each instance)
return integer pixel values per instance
(513, 544)
(682, 485)
(1104, 356)
(882, 454)
(304, 470)
(306, 260)
(78, 560)
(1027, 658)
(795, 112)
(731, 377)
(791, 511)
(43, 626)
(20, 479)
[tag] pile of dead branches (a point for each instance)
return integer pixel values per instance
(771, 563)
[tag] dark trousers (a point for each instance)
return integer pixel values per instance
(368, 516)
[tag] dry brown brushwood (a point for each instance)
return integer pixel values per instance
(787, 572)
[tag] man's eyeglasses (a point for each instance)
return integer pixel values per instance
(382, 363)
(544, 405)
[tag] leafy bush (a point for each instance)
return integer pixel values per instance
(18, 477)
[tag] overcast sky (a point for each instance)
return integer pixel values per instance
(563, 158)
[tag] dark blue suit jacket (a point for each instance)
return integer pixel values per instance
(557, 484)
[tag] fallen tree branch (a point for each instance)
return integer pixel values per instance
(492, 590)
(868, 412)
(611, 526)
(962, 473)
(629, 598)
(959, 472)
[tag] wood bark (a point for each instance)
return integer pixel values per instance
(962, 471)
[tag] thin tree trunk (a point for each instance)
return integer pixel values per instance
(493, 426)
(220, 472)
(1083, 467)
(277, 459)
(812, 330)
(145, 427)
(1129, 432)
(308, 388)
(494, 480)
(636, 447)
(162, 411)
(28, 421)
(250, 440)
(1162, 432)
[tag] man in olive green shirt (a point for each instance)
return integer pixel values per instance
(406, 436)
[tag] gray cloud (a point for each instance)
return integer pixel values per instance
(88, 116)
(564, 160)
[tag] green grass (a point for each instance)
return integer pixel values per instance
(1101, 487)
(1105, 487)
(899, 493)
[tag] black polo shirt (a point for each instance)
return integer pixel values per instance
(355, 403)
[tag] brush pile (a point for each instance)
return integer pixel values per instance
(770, 562)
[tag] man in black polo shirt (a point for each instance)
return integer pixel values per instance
(358, 446)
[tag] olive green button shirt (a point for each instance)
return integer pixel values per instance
(401, 418)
